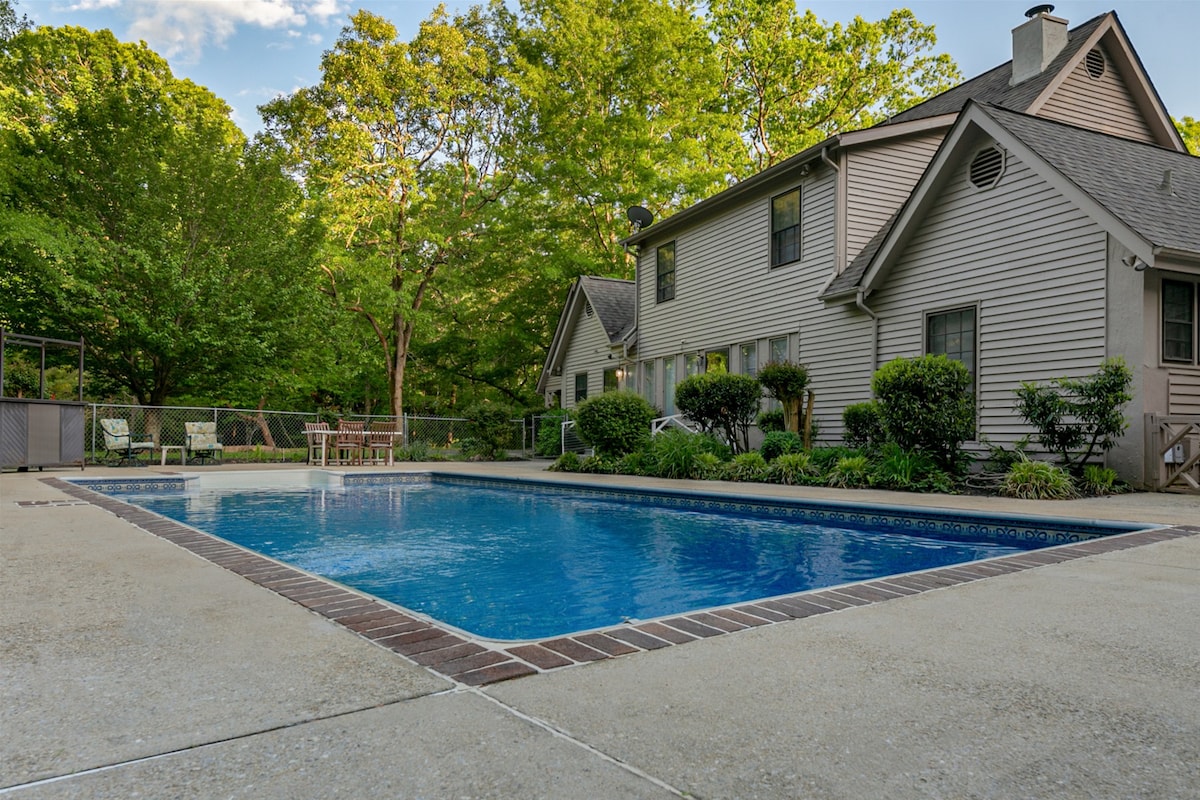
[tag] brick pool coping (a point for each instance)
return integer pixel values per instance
(477, 662)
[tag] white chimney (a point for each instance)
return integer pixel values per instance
(1036, 43)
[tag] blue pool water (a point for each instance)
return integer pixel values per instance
(518, 563)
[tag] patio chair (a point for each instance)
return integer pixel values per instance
(119, 442)
(318, 441)
(380, 447)
(348, 441)
(202, 441)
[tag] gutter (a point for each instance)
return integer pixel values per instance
(862, 306)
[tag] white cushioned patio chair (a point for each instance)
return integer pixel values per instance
(202, 441)
(122, 445)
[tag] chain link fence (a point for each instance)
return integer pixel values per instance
(259, 436)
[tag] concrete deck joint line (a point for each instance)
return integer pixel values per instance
(557, 732)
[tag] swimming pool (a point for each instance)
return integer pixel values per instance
(506, 559)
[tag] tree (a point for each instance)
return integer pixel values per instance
(792, 80)
(10, 23)
(133, 212)
(1077, 418)
(1189, 129)
(720, 402)
(402, 147)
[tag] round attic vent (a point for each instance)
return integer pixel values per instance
(986, 167)
(1094, 61)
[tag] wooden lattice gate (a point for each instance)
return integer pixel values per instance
(1173, 452)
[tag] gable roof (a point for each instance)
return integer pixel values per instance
(994, 88)
(1120, 183)
(614, 303)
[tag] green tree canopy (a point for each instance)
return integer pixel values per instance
(133, 213)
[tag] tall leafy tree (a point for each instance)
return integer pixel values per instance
(10, 23)
(402, 145)
(132, 212)
(793, 80)
(1189, 129)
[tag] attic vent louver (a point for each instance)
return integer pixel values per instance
(588, 311)
(1094, 61)
(987, 167)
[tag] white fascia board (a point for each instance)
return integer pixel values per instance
(897, 130)
(566, 322)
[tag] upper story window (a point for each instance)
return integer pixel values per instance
(665, 281)
(1179, 322)
(785, 228)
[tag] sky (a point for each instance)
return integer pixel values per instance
(249, 51)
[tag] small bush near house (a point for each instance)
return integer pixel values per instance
(776, 443)
(489, 429)
(1099, 480)
(862, 427)
(1037, 480)
(635, 463)
(909, 471)
(709, 466)
(749, 467)
(823, 458)
(549, 432)
(786, 382)
(850, 472)
(769, 421)
(598, 465)
(1000, 458)
(1078, 418)
(721, 403)
(614, 423)
(567, 462)
(791, 469)
(925, 404)
(674, 453)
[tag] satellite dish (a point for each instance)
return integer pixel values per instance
(640, 217)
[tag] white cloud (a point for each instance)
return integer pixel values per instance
(93, 5)
(183, 28)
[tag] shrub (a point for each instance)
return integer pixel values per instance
(636, 463)
(1000, 459)
(675, 453)
(1098, 480)
(771, 420)
(1079, 418)
(489, 430)
(708, 466)
(549, 432)
(776, 443)
(909, 471)
(747, 467)
(862, 426)
(416, 451)
(791, 469)
(926, 404)
(824, 458)
(721, 403)
(567, 462)
(615, 423)
(850, 472)
(1037, 480)
(786, 382)
(598, 465)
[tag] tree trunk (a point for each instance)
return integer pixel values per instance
(791, 414)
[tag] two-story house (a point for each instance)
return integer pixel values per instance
(1029, 222)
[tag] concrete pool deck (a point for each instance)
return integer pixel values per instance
(130, 667)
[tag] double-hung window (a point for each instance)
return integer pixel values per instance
(581, 381)
(665, 280)
(952, 334)
(1179, 322)
(785, 228)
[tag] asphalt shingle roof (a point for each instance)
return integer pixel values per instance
(615, 303)
(1124, 176)
(992, 87)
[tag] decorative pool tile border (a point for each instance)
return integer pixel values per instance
(476, 662)
(156, 485)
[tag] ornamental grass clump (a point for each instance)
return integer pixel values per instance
(675, 453)
(1037, 480)
(749, 467)
(1098, 480)
(850, 472)
(791, 469)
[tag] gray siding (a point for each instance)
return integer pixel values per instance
(879, 178)
(1184, 392)
(726, 292)
(1104, 104)
(1033, 265)
(835, 345)
(587, 351)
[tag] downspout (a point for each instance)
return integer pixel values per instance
(862, 306)
(839, 232)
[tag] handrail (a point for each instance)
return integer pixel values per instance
(660, 424)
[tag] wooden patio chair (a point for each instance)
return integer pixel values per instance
(348, 441)
(381, 443)
(121, 444)
(318, 441)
